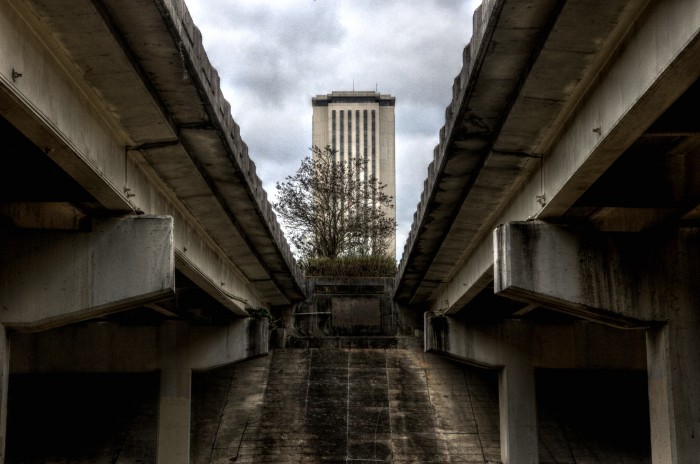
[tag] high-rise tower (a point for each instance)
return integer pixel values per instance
(356, 123)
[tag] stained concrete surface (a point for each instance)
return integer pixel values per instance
(346, 405)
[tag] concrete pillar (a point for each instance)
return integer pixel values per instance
(4, 383)
(174, 409)
(174, 416)
(646, 280)
(673, 359)
(518, 414)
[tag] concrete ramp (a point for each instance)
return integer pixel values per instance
(327, 406)
(346, 405)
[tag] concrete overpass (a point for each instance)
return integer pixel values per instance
(558, 223)
(135, 231)
(557, 228)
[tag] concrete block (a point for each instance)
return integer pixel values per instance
(53, 278)
(620, 279)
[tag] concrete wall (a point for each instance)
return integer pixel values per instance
(344, 308)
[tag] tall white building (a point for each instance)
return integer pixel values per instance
(357, 123)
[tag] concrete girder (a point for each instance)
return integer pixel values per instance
(647, 75)
(121, 348)
(648, 280)
(485, 83)
(579, 345)
(624, 279)
(81, 29)
(188, 87)
(197, 255)
(45, 215)
(507, 117)
(51, 278)
(75, 126)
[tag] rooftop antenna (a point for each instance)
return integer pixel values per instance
(353, 83)
(376, 87)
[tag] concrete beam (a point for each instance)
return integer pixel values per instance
(51, 278)
(117, 348)
(580, 345)
(623, 279)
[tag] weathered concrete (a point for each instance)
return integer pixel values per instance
(124, 144)
(576, 345)
(122, 348)
(517, 407)
(517, 348)
(175, 348)
(621, 279)
(343, 307)
(331, 405)
(674, 383)
(616, 79)
(574, 113)
(646, 280)
(174, 415)
(141, 232)
(254, 411)
(120, 263)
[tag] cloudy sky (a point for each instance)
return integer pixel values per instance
(273, 56)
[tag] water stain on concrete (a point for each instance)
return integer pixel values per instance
(365, 405)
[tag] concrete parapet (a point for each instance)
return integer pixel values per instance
(219, 111)
(345, 307)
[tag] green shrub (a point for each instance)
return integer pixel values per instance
(259, 313)
(350, 266)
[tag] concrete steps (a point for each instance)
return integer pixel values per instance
(347, 405)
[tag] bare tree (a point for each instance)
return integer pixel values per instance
(333, 208)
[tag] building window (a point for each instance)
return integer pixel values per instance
(333, 145)
(364, 152)
(373, 138)
(349, 134)
(357, 133)
(342, 135)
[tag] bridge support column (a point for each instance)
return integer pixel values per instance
(174, 408)
(4, 382)
(518, 414)
(643, 280)
(174, 416)
(673, 359)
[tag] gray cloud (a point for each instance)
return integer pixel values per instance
(273, 58)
